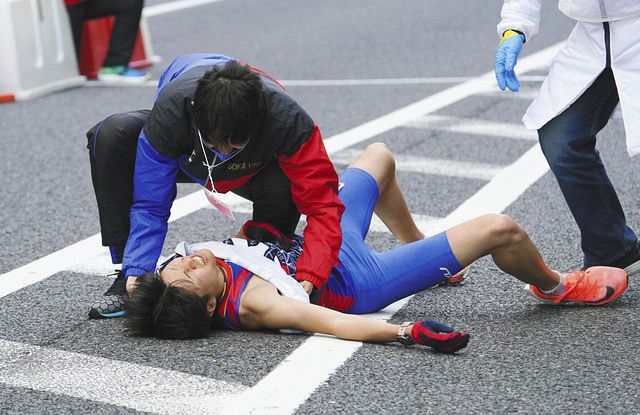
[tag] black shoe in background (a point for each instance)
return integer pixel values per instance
(630, 262)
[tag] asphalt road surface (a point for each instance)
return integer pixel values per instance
(461, 151)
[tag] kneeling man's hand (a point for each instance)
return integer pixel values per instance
(308, 287)
(131, 284)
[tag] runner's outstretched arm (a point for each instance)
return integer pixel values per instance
(265, 308)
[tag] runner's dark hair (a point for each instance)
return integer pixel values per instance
(156, 309)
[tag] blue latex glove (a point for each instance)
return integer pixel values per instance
(506, 59)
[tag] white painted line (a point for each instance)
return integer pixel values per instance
(392, 81)
(525, 93)
(113, 382)
(438, 167)
(473, 126)
(173, 6)
(285, 387)
(90, 249)
(424, 222)
(432, 103)
(503, 190)
(94, 83)
(377, 81)
(532, 78)
(338, 82)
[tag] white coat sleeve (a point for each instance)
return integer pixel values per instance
(521, 15)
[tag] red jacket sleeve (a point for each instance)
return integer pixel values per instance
(314, 189)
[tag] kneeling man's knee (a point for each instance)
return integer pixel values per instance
(115, 134)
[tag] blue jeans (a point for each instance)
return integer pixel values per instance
(568, 142)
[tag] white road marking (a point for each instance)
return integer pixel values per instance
(423, 222)
(503, 190)
(113, 382)
(277, 393)
(299, 375)
(338, 82)
(432, 103)
(377, 81)
(438, 167)
(473, 126)
(532, 78)
(89, 249)
(173, 6)
(525, 93)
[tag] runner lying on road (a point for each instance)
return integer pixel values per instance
(212, 285)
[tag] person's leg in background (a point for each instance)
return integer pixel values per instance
(127, 13)
(568, 143)
(76, 14)
(125, 27)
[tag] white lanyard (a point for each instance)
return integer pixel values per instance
(210, 194)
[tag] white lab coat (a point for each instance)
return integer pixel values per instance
(583, 57)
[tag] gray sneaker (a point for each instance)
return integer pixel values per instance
(112, 303)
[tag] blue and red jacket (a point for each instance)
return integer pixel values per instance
(169, 143)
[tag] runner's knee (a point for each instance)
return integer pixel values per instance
(379, 162)
(503, 230)
(383, 155)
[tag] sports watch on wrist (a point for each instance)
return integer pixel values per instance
(402, 338)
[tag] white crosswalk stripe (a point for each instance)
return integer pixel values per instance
(140, 387)
(473, 126)
(423, 165)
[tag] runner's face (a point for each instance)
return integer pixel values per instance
(197, 273)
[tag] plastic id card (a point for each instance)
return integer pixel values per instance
(218, 204)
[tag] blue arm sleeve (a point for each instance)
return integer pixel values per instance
(154, 189)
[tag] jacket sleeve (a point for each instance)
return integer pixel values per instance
(314, 189)
(521, 15)
(154, 189)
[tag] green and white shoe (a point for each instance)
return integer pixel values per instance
(122, 75)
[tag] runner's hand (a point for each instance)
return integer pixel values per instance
(438, 336)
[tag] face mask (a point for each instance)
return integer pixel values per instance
(224, 157)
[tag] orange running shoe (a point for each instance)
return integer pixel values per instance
(593, 286)
(457, 279)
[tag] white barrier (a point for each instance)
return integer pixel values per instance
(36, 49)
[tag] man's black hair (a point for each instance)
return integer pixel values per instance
(228, 104)
(165, 311)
